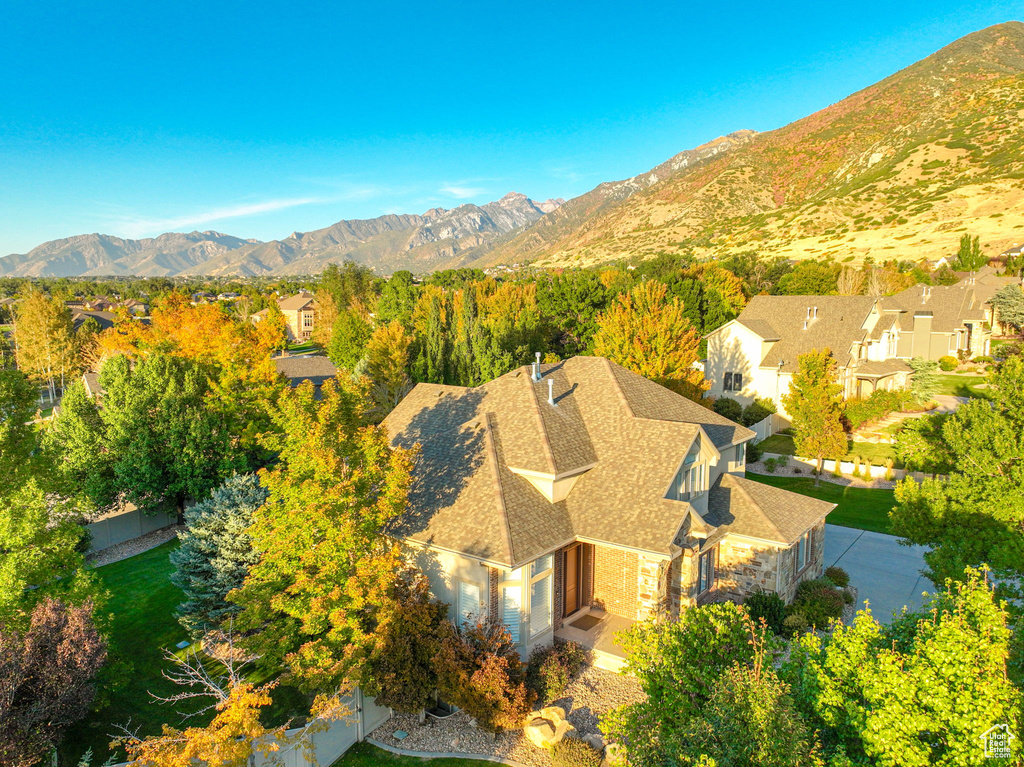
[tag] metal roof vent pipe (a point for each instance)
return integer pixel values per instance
(536, 367)
(551, 393)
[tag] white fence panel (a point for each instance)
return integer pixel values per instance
(773, 423)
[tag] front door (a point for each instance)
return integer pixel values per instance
(573, 576)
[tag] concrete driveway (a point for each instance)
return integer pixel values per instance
(886, 574)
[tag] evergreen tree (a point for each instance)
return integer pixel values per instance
(216, 552)
(1009, 305)
(397, 299)
(815, 405)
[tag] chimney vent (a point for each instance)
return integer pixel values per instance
(805, 324)
(815, 312)
(808, 314)
(536, 367)
(551, 393)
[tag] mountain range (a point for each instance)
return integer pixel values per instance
(898, 170)
(386, 243)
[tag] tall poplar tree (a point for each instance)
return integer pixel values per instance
(815, 405)
(47, 348)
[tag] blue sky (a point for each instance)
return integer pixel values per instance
(134, 118)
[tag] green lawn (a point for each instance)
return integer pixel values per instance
(365, 755)
(877, 453)
(304, 347)
(141, 605)
(858, 507)
(961, 385)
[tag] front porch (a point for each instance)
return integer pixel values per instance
(595, 629)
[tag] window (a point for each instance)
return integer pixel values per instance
(727, 386)
(706, 571)
(696, 480)
(741, 453)
(803, 550)
(512, 602)
(540, 595)
(307, 320)
(733, 382)
(468, 607)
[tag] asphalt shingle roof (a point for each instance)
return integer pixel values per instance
(622, 435)
(745, 507)
(313, 368)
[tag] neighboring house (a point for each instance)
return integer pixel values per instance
(299, 312)
(578, 503)
(756, 354)
(312, 368)
(103, 319)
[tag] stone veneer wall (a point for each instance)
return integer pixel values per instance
(789, 579)
(745, 567)
(616, 581)
(652, 587)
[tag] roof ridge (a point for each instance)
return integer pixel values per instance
(498, 489)
(540, 425)
(755, 504)
(618, 387)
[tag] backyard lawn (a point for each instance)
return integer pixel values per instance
(365, 755)
(859, 507)
(141, 606)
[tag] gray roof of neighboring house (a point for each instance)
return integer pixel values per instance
(745, 507)
(293, 303)
(838, 326)
(298, 369)
(950, 305)
(92, 384)
(103, 319)
(624, 434)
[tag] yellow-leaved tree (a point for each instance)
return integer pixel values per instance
(652, 336)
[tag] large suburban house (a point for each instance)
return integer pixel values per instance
(573, 499)
(756, 354)
(299, 313)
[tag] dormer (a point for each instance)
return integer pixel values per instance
(693, 479)
(554, 487)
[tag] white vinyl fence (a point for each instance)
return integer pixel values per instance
(330, 744)
(766, 427)
(877, 471)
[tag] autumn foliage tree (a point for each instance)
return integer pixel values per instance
(815, 406)
(325, 568)
(651, 336)
(387, 359)
(399, 671)
(46, 678)
(479, 670)
(47, 348)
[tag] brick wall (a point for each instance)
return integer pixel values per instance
(616, 576)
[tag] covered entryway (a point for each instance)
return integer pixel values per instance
(576, 577)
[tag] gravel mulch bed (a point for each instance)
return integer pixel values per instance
(793, 471)
(587, 698)
(120, 551)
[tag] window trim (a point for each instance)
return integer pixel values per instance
(536, 577)
(712, 555)
(803, 551)
(481, 589)
(727, 383)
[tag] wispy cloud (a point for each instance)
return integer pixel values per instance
(135, 226)
(461, 192)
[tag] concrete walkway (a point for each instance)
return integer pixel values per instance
(886, 574)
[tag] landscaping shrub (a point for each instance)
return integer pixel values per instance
(983, 359)
(861, 411)
(753, 452)
(795, 624)
(768, 606)
(948, 363)
(771, 464)
(551, 668)
(838, 576)
(758, 410)
(728, 408)
(570, 752)
(818, 601)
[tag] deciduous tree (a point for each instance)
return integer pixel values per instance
(352, 330)
(815, 405)
(18, 437)
(46, 678)
(325, 566)
(387, 361)
(479, 670)
(47, 349)
(1009, 305)
(651, 336)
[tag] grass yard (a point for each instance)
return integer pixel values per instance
(961, 385)
(365, 755)
(303, 348)
(877, 453)
(858, 507)
(141, 606)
